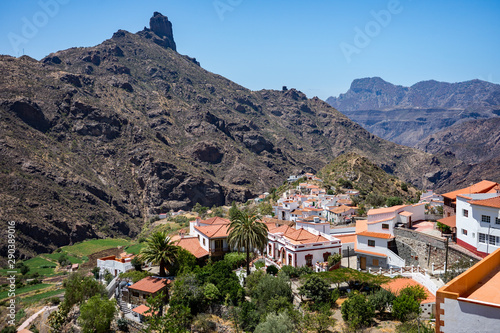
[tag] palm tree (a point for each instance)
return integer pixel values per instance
(159, 250)
(247, 231)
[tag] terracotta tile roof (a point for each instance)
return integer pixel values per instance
(141, 309)
(385, 210)
(396, 285)
(299, 236)
(345, 201)
(450, 221)
(214, 231)
(296, 212)
(361, 225)
(483, 186)
(405, 213)
(375, 234)
(491, 202)
(150, 284)
(383, 220)
(216, 220)
(267, 220)
(347, 238)
(192, 244)
(341, 209)
(312, 209)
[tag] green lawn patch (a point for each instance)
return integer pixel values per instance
(55, 257)
(134, 249)
(41, 266)
(89, 247)
(41, 296)
(4, 294)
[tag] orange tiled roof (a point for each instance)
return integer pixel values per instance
(483, 186)
(450, 221)
(214, 231)
(396, 285)
(491, 202)
(141, 309)
(375, 234)
(268, 220)
(405, 213)
(385, 210)
(192, 245)
(383, 220)
(341, 209)
(299, 236)
(347, 238)
(361, 225)
(216, 220)
(150, 284)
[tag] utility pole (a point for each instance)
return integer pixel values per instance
(348, 257)
(446, 259)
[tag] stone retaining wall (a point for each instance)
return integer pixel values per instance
(421, 249)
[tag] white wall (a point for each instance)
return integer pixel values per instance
(377, 227)
(380, 244)
(467, 317)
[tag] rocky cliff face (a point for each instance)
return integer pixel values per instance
(407, 115)
(473, 142)
(93, 140)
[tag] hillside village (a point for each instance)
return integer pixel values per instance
(312, 231)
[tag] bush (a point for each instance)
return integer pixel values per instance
(381, 300)
(357, 311)
(259, 264)
(316, 289)
(235, 259)
(293, 272)
(135, 275)
(122, 324)
(96, 314)
(407, 305)
(393, 201)
(275, 323)
(334, 259)
(273, 270)
(54, 300)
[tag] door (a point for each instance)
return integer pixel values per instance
(362, 263)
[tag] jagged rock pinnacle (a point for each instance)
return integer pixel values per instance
(162, 27)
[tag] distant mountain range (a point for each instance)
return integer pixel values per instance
(94, 140)
(408, 115)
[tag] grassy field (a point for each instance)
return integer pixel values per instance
(55, 256)
(88, 247)
(4, 294)
(41, 266)
(39, 297)
(134, 249)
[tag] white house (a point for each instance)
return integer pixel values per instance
(374, 236)
(300, 247)
(478, 222)
(114, 265)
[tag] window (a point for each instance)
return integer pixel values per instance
(375, 262)
(203, 241)
(492, 240)
(497, 220)
(270, 249)
(482, 238)
(325, 256)
(385, 226)
(290, 259)
(309, 260)
(465, 212)
(371, 242)
(464, 232)
(485, 218)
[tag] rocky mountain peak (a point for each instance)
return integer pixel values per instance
(162, 28)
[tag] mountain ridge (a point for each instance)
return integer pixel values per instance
(94, 140)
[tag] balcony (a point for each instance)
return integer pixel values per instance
(218, 252)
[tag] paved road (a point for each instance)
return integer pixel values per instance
(28, 321)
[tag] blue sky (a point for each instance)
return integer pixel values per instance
(318, 47)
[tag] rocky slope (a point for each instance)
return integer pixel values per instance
(472, 142)
(407, 115)
(361, 174)
(93, 140)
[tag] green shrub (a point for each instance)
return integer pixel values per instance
(271, 269)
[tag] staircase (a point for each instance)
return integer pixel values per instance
(394, 260)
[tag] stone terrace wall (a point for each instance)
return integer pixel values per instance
(421, 249)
